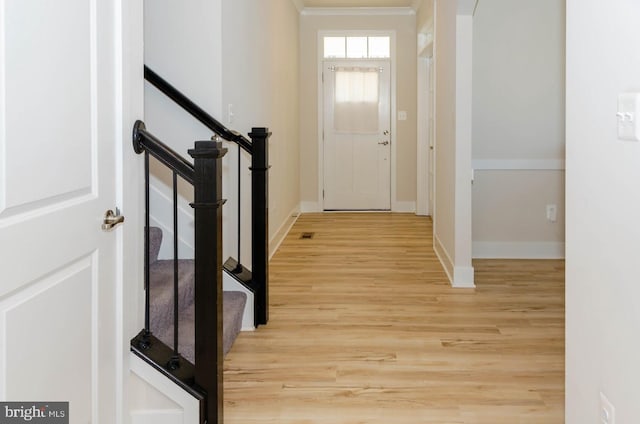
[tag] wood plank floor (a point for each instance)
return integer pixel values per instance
(364, 328)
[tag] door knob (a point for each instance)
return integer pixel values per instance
(111, 219)
(384, 143)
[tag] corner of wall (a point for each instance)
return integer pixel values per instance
(280, 234)
(443, 257)
(463, 277)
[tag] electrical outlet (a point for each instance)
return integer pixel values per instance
(552, 213)
(607, 411)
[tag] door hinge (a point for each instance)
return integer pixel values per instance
(323, 194)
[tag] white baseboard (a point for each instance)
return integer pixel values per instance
(459, 276)
(518, 250)
(444, 257)
(463, 277)
(310, 207)
(403, 207)
(282, 232)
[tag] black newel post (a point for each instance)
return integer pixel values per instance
(207, 204)
(260, 220)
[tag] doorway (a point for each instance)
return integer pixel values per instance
(356, 135)
(426, 137)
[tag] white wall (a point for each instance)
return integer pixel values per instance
(260, 80)
(183, 44)
(603, 210)
(221, 52)
(452, 213)
(518, 128)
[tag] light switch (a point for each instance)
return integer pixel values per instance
(628, 116)
(230, 113)
(402, 115)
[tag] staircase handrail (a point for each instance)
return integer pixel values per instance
(143, 140)
(257, 147)
(203, 378)
(196, 111)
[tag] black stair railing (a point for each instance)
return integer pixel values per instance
(204, 378)
(257, 147)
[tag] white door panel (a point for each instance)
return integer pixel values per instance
(57, 179)
(357, 143)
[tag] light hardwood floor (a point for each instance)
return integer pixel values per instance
(364, 328)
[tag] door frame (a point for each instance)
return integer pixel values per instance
(129, 177)
(395, 206)
(425, 183)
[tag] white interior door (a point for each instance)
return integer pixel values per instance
(58, 116)
(432, 137)
(357, 140)
(424, 128)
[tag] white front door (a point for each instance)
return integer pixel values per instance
(58, 119)
(357, 139)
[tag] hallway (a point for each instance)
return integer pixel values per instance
(365, 328)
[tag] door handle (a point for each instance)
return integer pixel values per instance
(384, 143)
(111, 219)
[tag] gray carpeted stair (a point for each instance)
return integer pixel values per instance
(161, 308)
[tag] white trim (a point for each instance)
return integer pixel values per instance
(459, 276)
(403, 207)
(310, 207)
(358, 11)
(422, 142)
(462, 230)
(157, 416)
(189, 404)
(394, 119)
(299, 4)
(320, 102)
(463, 277)
(518, 164)
(279, 236)
(231, 284)
(518, 250)
(443, 257)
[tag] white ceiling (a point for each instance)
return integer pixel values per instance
(358, 3)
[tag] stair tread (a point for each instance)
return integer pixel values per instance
(232, 309)
(161, 288)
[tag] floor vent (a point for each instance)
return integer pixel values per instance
(307, 235)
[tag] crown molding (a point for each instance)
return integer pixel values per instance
(299, 4)
(357, 11)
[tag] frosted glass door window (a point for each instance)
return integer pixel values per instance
(379, 47)
(356, 47)
(356, 101)
(334, 47)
